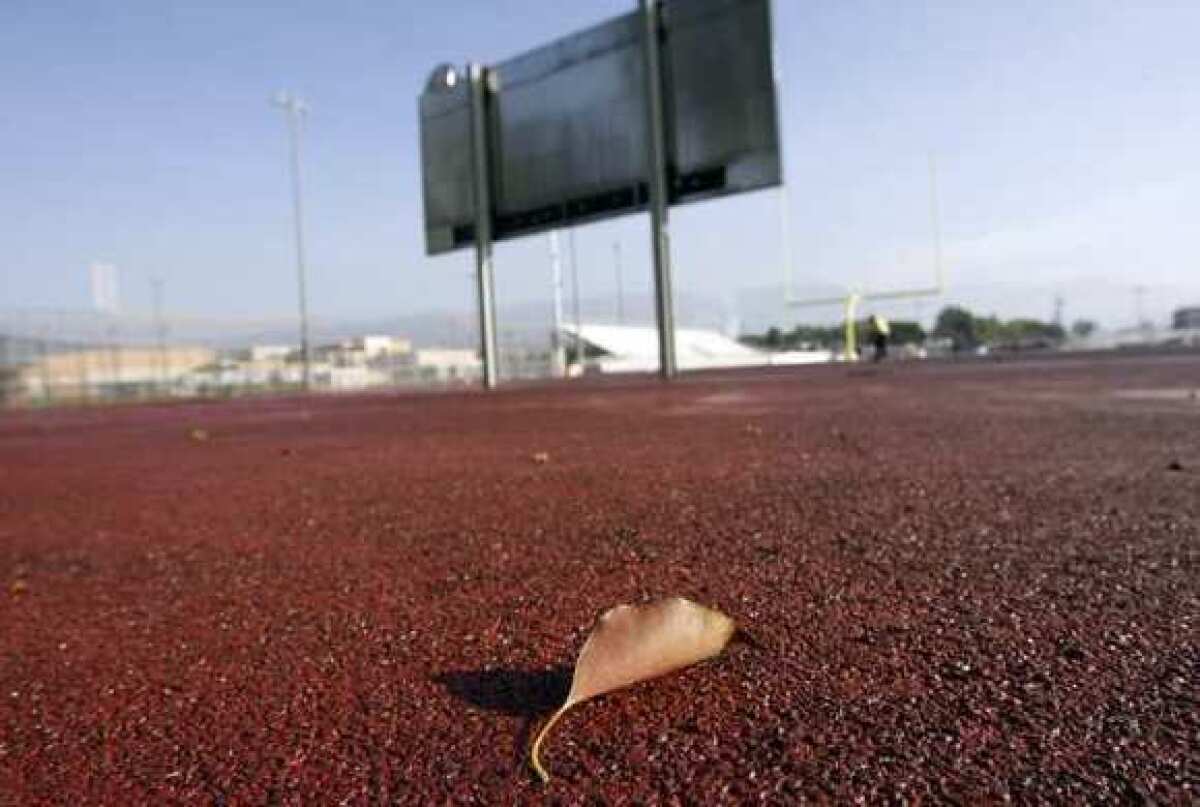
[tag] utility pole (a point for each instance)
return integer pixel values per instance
(1139, 298)
(6, 361)
(294, 110)
(82, 348)
(114, 360)
(558, 361)
(43, 354)
(575, 301)
(160, 331)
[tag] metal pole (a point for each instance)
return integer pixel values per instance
(160, 331)
(43, 352)
(114, 360)
(1139, 296)
(559, 360)
(5, 362)
(481, 164)
(295, 109)
(658, 185)
(85, 391)
(579, 351)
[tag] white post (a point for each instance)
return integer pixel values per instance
(579, 350)
(559, 363)
(481, 165)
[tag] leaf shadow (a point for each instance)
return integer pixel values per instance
(527, 694)
(510, 691)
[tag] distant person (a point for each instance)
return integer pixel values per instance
(880, 332)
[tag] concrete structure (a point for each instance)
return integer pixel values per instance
(110, 372)
(634, 349)
(269, 352)
(448, 364)
(375, 346)
(350, 377)
(1186, 318)
(362, 350)
(1139, 336)
(1185, 327)
(229, 373)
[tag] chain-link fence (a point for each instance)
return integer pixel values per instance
(49, 358)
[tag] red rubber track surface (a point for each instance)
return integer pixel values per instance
(964, 582)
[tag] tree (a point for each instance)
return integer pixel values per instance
(990, 330)
(907, 332)
(1083, 328)
(958, 325)
(10, 379)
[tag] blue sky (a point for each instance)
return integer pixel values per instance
(1067, 138)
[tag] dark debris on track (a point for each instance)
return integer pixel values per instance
(966, 582)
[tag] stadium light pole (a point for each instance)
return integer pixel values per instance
(160, 331)
(1139, 304)
(579, 351)
(558, 360)
(295, 109)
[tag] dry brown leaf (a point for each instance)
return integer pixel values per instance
(635, 643)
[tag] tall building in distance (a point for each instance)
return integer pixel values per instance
(105, 297)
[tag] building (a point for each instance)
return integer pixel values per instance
(374, 347)
(362, 350)
(447, 365)
(258, 353)
(1186, 319)
(108, 372)
(349, 377)
(223, 374)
